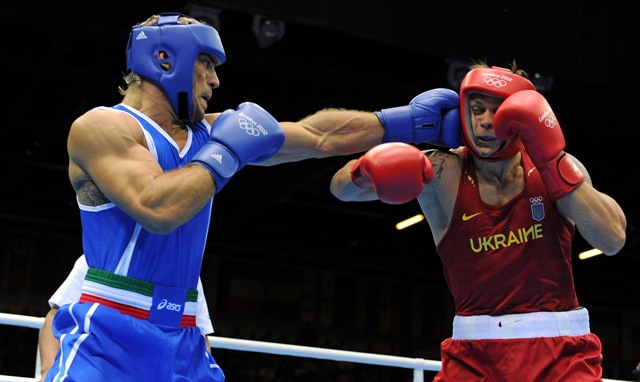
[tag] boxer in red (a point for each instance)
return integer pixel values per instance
(503, 210)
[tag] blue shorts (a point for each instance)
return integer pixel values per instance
(98, 343)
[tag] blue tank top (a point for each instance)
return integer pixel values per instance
(114, 242)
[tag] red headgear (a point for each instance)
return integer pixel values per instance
(496, 82)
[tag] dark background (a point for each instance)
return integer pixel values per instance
(286, 261)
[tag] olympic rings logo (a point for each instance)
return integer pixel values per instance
(249, 127)
(550, 121)
(536, 200)
(490, 81)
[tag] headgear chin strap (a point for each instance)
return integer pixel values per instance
(182, 44)
(496, 82)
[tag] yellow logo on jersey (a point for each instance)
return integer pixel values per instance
(519, 236)
(466, 217)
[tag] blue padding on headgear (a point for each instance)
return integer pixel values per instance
(182, 43)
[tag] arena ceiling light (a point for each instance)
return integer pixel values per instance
(409, 222)
(267, 31)
(590, 253)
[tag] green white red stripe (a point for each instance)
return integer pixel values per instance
(129, 296)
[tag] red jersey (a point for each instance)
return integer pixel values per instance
(514, 258)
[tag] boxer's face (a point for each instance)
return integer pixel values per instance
(205, 79)
(483, 109)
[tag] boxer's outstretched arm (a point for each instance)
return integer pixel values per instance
(432, 117)
(329, 132)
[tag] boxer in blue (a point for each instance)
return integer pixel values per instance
(69, 291)
(145, 173)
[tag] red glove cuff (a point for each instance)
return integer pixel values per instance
(561, 175)
(357, 178)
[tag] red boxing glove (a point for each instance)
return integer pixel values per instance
(396, 171)
(527, 113)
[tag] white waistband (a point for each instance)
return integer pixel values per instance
(524, 325)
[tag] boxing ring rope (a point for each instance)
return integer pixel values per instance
(418, 365)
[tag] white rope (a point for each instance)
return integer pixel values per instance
(418, 365)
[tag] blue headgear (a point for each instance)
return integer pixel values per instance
(182, 43)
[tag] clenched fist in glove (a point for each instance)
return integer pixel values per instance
(526, 113)
(432, 117)
(396, 171)
(248, 134)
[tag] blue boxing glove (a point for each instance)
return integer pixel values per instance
(248, 134)
(432, 117)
